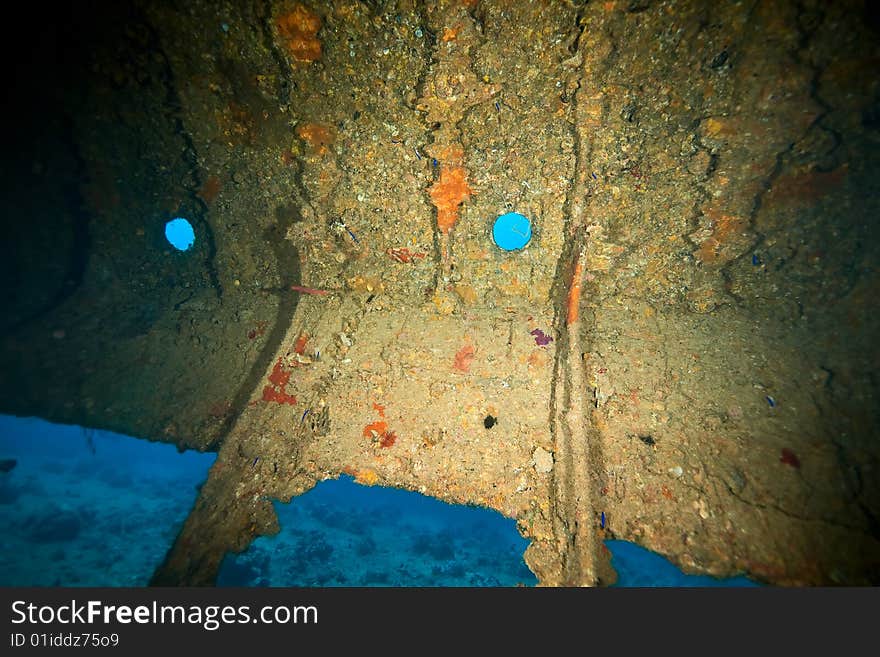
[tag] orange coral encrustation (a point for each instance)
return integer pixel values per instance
(300, 344)
(378, 428)
(447, 193)
(463, 358)
(299, 29)
(378, 431)
(574, 291)
(366, 477)
(276, 391)
(317, 135)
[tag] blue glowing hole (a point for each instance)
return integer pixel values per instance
(512, 231)
(179, 232)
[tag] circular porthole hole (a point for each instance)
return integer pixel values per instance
(180, 234)
(512, 231)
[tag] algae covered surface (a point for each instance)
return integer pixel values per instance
(684, 355)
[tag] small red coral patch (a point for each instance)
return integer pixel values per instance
(463, 358)
(276, 390)
(375, 429)
(790, 458)
(387, 439)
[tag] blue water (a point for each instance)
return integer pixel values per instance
(179, 232)
(512, 231)
(95, 508)
(89, 508)
(637, 566)
(344, 534)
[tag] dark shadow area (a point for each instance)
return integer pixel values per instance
(287, 260)
(104, 323)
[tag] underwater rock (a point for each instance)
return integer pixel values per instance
(374, 578)
(8, 493)
(313, 547)
(236, 573)
(366, 547)
(438, 546)
(542, 460)
(55, 525)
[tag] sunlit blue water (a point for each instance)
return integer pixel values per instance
(344, 534)
(179, 232)
(89, 508)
